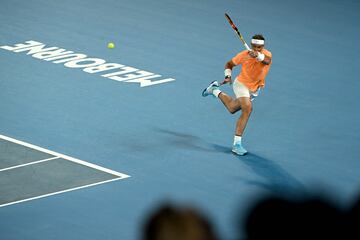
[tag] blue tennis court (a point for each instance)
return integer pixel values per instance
(88, 152)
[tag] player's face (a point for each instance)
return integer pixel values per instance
(257, 47)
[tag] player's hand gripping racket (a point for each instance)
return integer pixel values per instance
(237, 31)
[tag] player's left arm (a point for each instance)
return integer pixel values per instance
(267, 60)
(260, 57)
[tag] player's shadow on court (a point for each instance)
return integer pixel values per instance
(187, 141)
(191, 142)
(277, 180)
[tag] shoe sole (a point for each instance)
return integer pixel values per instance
(204, 91)
(238, 153)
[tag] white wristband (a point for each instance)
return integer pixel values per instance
(260, 57)
(227, 73)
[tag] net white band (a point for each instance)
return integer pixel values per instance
(257, 41)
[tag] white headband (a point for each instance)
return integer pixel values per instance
(257, 41)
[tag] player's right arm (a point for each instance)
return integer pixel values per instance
(228, 68)
(240, 58)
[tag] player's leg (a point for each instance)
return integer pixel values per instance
(242, 101)
(243, 97)
(240, 91)
(232, 105)
(246, 107)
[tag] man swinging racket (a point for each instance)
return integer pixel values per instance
(255, 64)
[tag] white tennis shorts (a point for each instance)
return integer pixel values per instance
(241, 90)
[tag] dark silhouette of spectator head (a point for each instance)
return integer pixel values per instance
(280, 218)
(354, 219)
(174, 223)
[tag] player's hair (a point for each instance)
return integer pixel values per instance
(259, 37)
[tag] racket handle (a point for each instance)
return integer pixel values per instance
(247, 47)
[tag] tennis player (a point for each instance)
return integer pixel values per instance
(255, 65)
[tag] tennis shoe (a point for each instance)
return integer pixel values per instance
(238, 149)
(209, 90)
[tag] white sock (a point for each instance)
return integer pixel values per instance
(237, 139)
(216, 92)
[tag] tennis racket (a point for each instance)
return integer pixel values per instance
(237, 31)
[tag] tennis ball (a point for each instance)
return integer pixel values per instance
(111, 45)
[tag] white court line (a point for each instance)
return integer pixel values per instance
(30, 163)
(63, 191)
(59, 155)
(121, 175)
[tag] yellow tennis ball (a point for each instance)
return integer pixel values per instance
(111, 45)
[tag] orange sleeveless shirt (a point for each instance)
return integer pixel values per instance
(253, 72)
